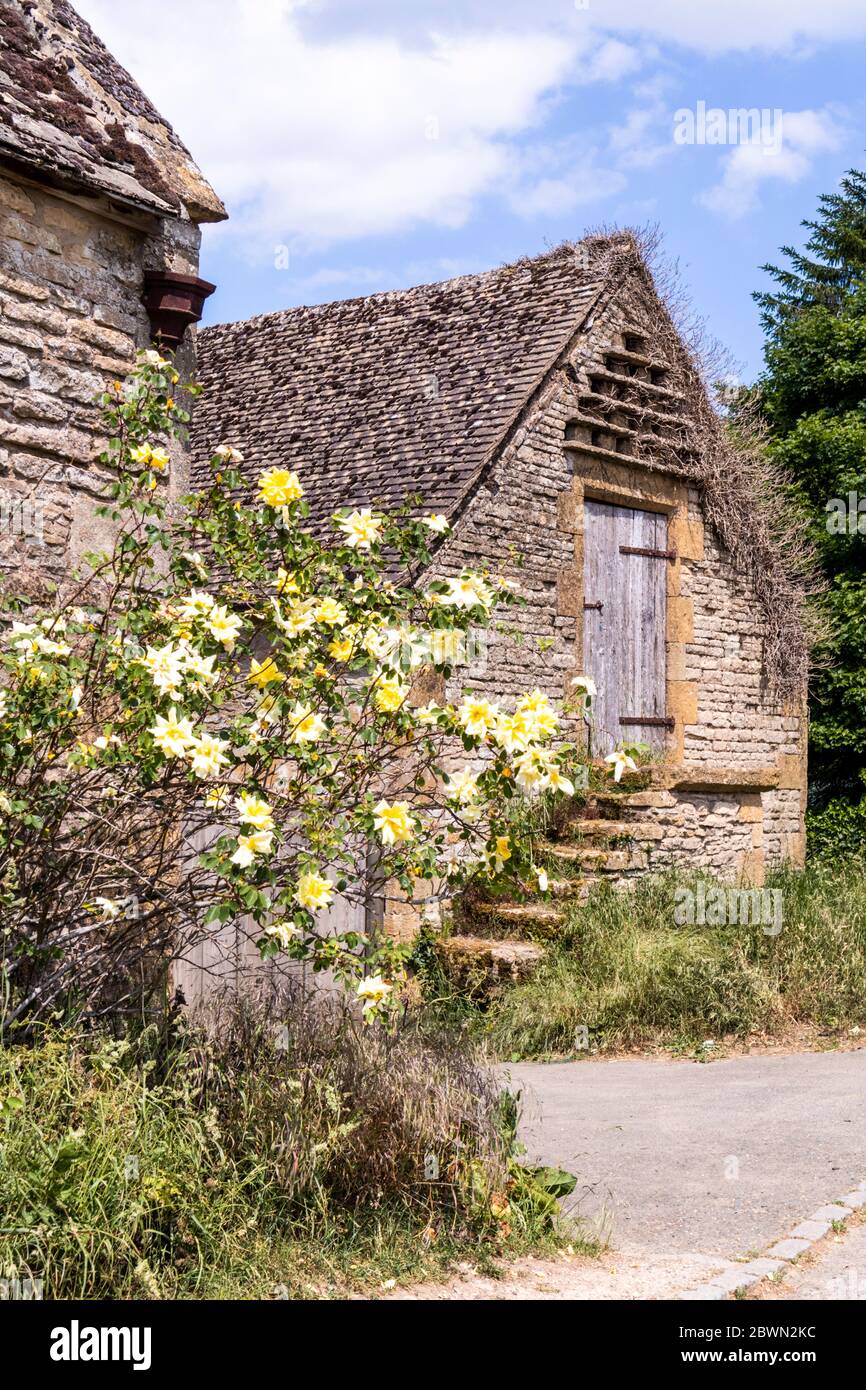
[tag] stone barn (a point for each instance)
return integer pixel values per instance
(548, 408)
(551, 411)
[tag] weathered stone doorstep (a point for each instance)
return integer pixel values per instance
(504, 962)
(541, 917)
(603, 828)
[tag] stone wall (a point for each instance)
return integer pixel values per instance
(738, 726)
(517, 516)
(717, 831)
(71, 319)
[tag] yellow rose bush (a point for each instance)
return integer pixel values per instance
(214, 722)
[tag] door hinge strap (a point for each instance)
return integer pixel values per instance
(652, 721)
(599, 605)
(650, 554)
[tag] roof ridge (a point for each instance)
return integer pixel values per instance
(558, 252)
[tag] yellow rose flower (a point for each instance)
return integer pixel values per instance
(513, 732)
(374, 991)
(207, 756)
(541, 718)
(284, 932)
(264, 673)
(533, 770)
(389, 694)
(427, 714)
(477, 717)
(469, 591)
(279, 487)
(227, 454)
(286, 582)
(224, 626)
(560, 783)
(307, 726)
(361, 529)
(462, 786)
(313, 892)
(252, 810)
(174, 735)
(260, 842)
(331, 612)
(341, 648)
(393, 822)
(193, 605)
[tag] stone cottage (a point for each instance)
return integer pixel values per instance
(550, 409)
(100, 206)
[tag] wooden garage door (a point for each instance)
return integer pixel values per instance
(624, 623)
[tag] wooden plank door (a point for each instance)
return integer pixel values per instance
(624, 638)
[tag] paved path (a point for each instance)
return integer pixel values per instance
(719, 1158)
(687, 1168)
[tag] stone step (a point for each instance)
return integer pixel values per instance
(567, 887)
(483, 963)
(541, 918)
(599, 860)
(603, 828)
(599, 828)
(612, 805)
(561, 850)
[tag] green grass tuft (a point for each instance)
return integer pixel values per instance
(283, 1154)
(627, 973)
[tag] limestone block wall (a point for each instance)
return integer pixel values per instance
(784, 832)
(71, 319)
(517, 516)
(737, 725)
(709, 830)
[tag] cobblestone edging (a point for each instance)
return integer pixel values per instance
(781, 1255)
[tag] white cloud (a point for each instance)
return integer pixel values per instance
(557, 177)
(331, 276)
(775, 26)
(747, 167)
(552, 197)
(313, 141)
(383, 277)
(611, 61)
(643, 137)
(322, 121)
(705, 26)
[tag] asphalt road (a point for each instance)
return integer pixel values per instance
(699, 1159)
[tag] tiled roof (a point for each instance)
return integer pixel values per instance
(68, 109)
(380, 398)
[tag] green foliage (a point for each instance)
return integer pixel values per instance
(837, 831)
(291, 1152)
(813, 399)
(832, 262)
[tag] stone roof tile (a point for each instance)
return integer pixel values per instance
(68, 109)
(379, 398)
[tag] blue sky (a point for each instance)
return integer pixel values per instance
(363, 145)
